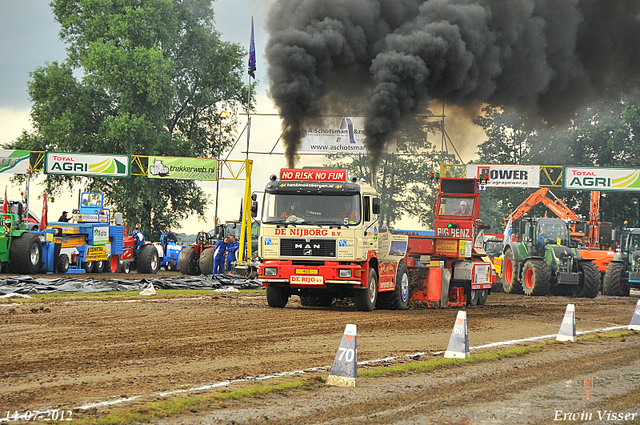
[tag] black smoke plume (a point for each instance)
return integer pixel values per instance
(547, 57)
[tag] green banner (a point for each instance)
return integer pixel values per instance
(14, 162)
(168, 167)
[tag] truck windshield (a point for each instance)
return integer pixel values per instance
(311, 209)
(450, 205)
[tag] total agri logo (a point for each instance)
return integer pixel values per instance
(87, 164)
(602, 178)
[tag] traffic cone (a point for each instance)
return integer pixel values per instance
(635, 319)
(567, 330)
(458, 347)
(345, 365)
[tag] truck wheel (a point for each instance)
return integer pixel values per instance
(365, 299)
(63, 263)
(277, 297)
(147, 262)
(324, 301)
(484, 294)
(26, 254)
(206, 261)
(88, 266)
(187, 261)
(613, 283)
(589, 281)
(474, 295)
(399, 298)
(98, 267)
(510, 282)
(537, 278)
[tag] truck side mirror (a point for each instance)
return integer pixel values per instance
(375, 206)
(254, 208)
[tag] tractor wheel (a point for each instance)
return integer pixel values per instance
(474, 295)
(98, 267)
(126, 267)
(589, 281)
(510, 282)
(613, 283)
(206, 261)
(88, 266)
(147, 262)
(277, 297)
(113, 264)
(26, 254)
(187, 261)
(63, 263)
(536, 278)
(399, 298)
(484, 294)
(324, 301)
(365, 299)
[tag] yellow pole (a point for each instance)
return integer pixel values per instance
(246, 213)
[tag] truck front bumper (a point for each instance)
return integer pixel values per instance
(311, 276)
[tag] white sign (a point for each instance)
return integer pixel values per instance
(599, 178)
(336, 135)
(14, 161)
(87, 164)
(502, 175)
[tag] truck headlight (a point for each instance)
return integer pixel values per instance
(271, 271)
(344, 272)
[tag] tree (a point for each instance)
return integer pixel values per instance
(145, 78)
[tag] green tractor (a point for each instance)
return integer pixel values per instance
(623, 272)
(544, 261)
(20, 251)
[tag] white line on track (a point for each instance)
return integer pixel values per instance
(316, 369)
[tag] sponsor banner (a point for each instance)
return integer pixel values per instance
(502, 175)
(87, 164)
(14, 161)
(600, 178)
(313, 175)
(335, 135)
(168, 167)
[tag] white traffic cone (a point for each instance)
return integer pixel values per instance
(635, 319)
(458, 347)
(345, 365)
(567, 330)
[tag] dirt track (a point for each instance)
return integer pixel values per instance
(69, 354)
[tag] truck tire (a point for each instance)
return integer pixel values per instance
(324, 301)
(474, 295)
(187, 261)
(510, 282)
(536, 278)
(147, 262)
(365, 299)
(206, 261)
(613, 283)
(98, 267)
(277, 297)
(589, 281)
(399, 298)
(26, 254)
(484, 294)
(88, 266)
(63, 263)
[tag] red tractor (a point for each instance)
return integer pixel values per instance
(198, 258)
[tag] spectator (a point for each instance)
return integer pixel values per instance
(218, 255)
(232, 251)
(138, 238)
(63, 218)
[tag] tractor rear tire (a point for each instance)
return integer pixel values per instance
(63, 263)
(399, 298)
(589, 282)
(88, 266)
(187, 261)
(26, 254)
(277, 297)
(510, 282)
(206, 261)
(365, 299)
(324, 301)
(147, 262)
(613, 283)
(536, 278)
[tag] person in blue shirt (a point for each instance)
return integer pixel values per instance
(232, 251)
(218, 255)
(138, 238)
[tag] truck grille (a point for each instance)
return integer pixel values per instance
(304, 248)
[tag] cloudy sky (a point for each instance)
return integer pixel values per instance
(29, 39)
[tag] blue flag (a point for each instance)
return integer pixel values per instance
(252, 54)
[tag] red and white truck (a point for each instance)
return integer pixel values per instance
(320, 239)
